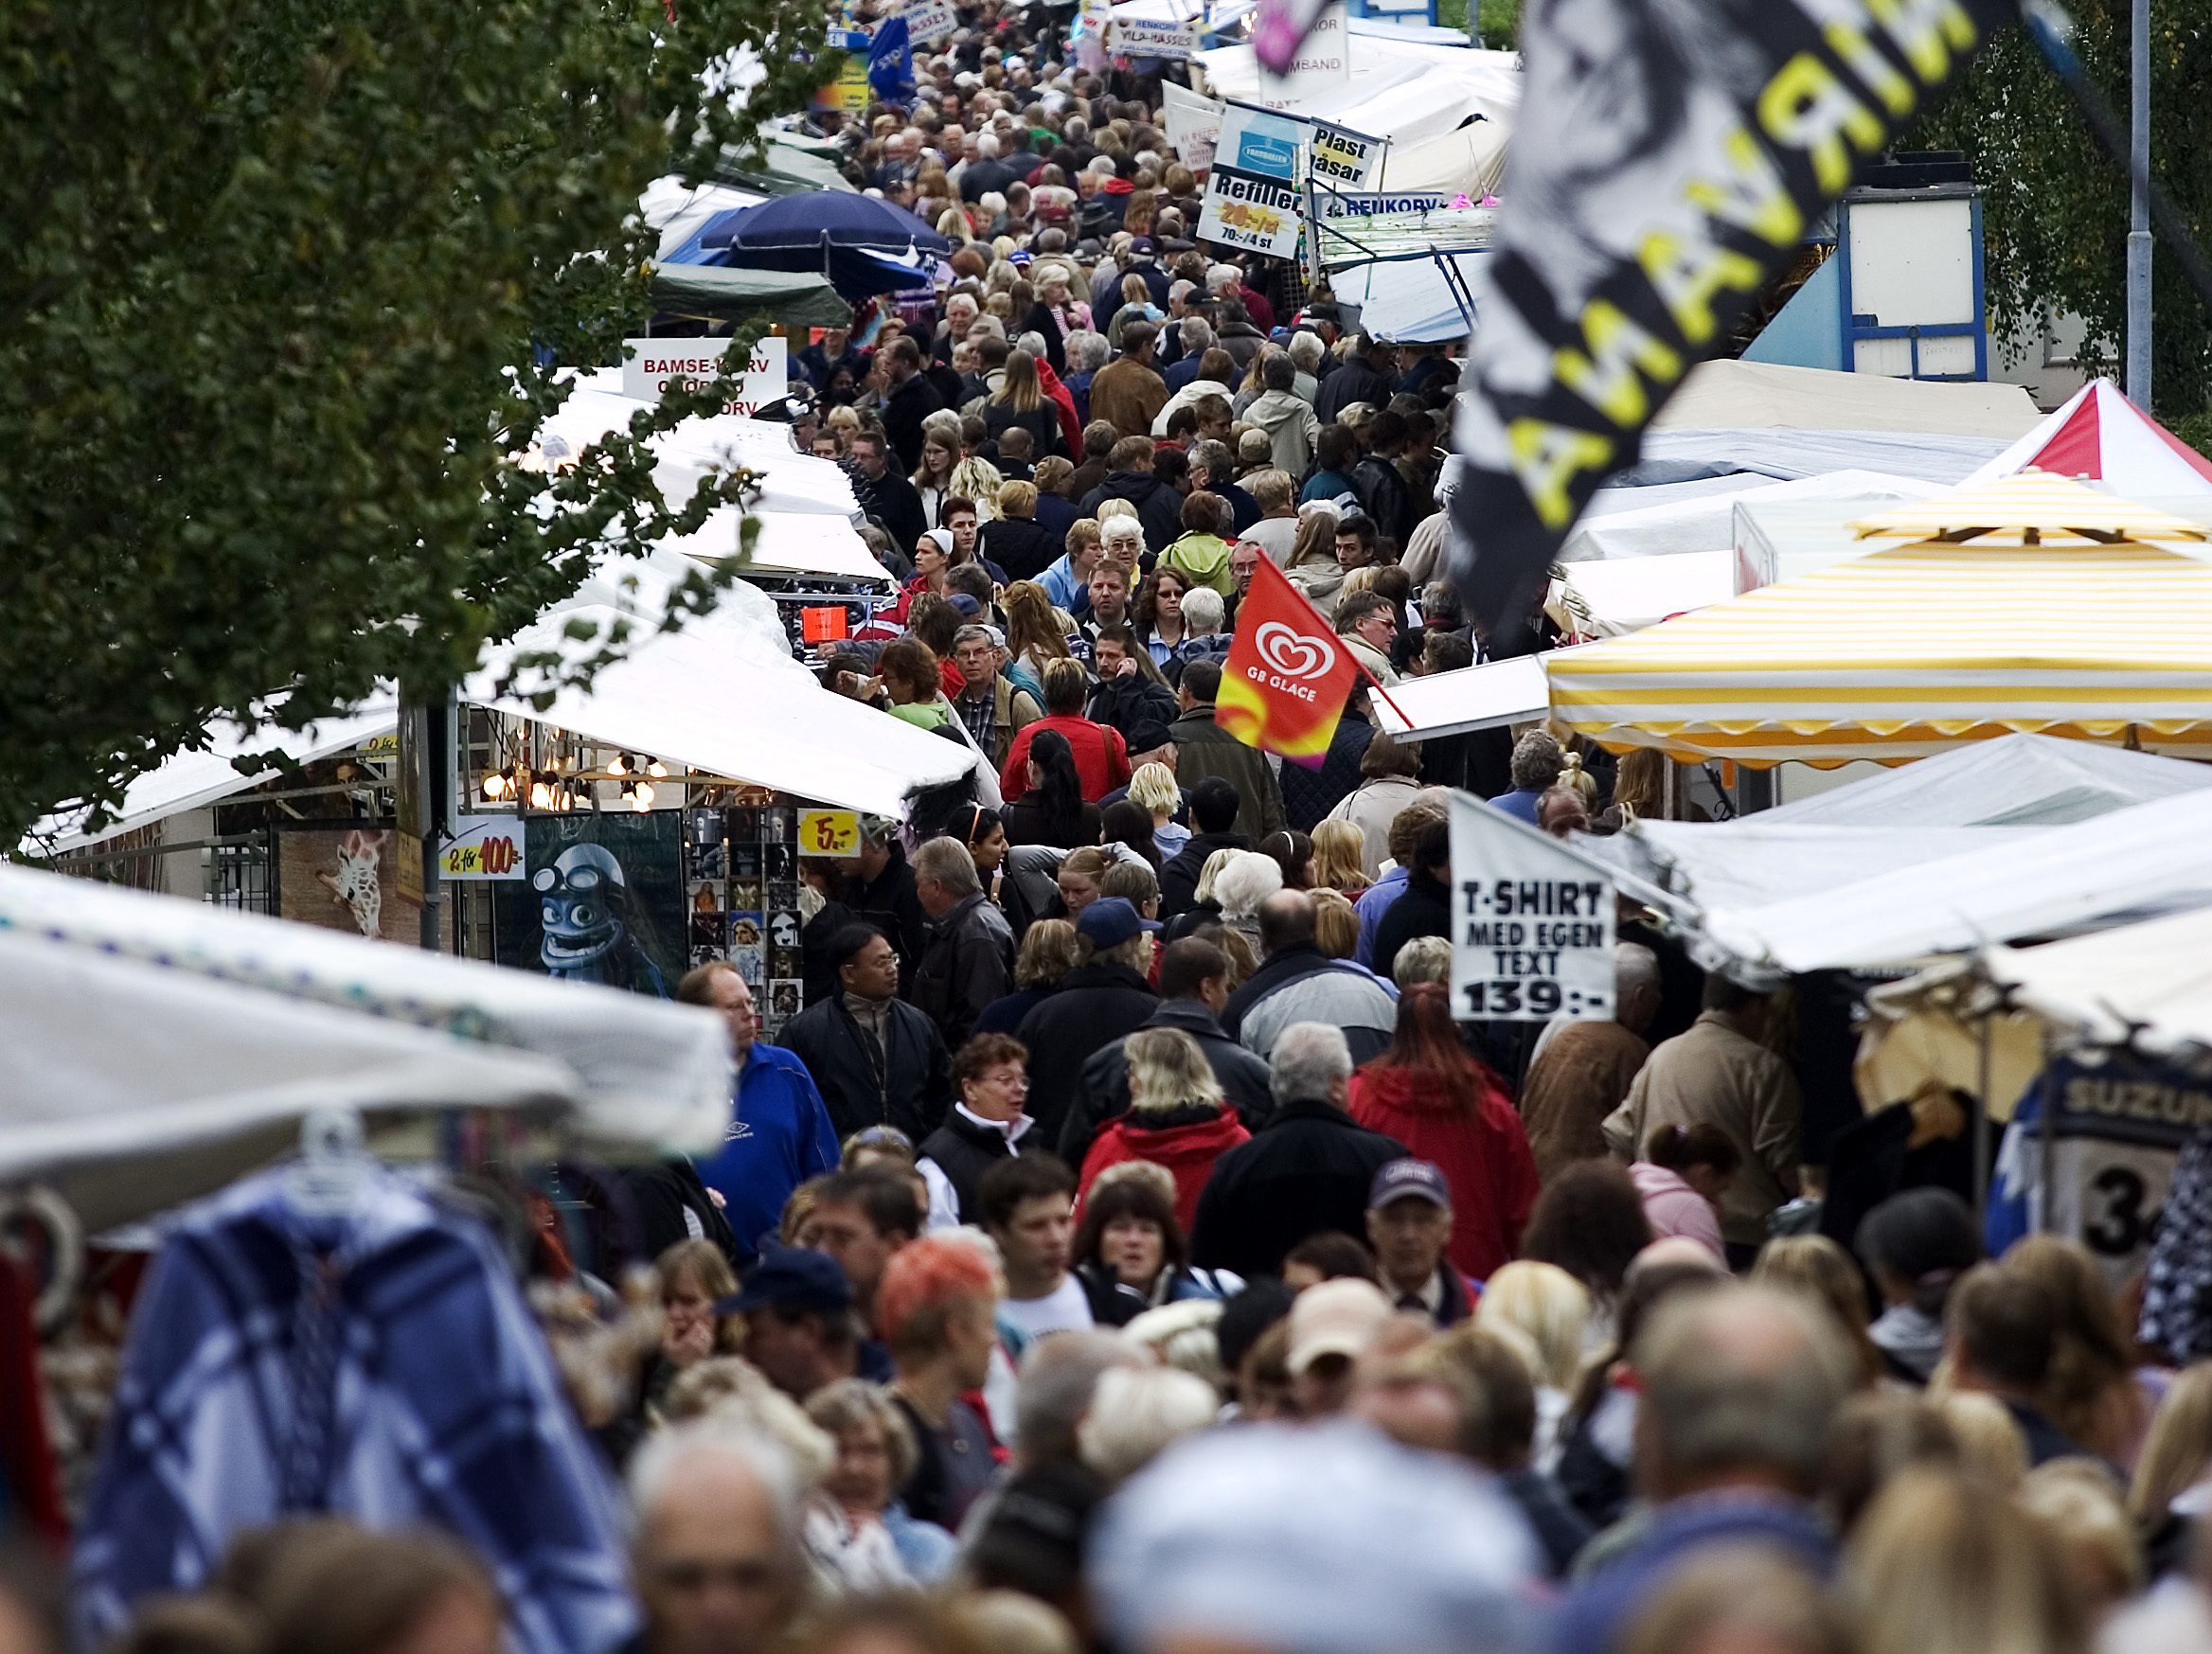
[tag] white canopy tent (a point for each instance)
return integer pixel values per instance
(680, 211)
(2131, 863)
(2014, 781)
(1405, 85)
(1608, 599)
(137, 1024)
(1707, 522)
(1747, 396)
(1753, 861)
(2148, 985)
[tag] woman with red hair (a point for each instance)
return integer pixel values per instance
(1450, 1109)
(936, 1309)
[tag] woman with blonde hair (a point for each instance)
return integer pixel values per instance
(1154, 786)
(1336, 924)
(2176, 1452)
(2092, 1393)
(1136, 306)
(844, 424)
(1339, 858)
(1816, 1267)
(689, 1276)
(1942, 1564)
(953, 224)
(1033, 635)
(1047, 955)
(1020, 401)
(1178, 1117)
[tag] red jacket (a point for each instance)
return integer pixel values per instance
(1188, 1150)
(1063, 404)
(1484, 1156)
(1101, 757)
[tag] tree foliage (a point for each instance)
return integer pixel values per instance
(285, 287)
(2054, 207)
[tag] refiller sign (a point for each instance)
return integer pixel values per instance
(653, 366)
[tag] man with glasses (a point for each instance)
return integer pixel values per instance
(987, 1124)
(1367, 622)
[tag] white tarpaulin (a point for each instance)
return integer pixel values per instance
(1411, 300)
(644, 1072)
(1745, 396)
(2149, 985)
(1404, 83)
(1484, 697)
(2133, 864)
(1607, 599)
(1470, 160)
(1707, 523)
(1678, 455)
(1756, 860)
(2036, 780)
(679, 211)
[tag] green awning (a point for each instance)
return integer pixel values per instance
(795, 298)
(779, 166)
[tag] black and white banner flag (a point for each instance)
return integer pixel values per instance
(1669, 156)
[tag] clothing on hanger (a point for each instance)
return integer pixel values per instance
(30, 1481)
(375, 1361)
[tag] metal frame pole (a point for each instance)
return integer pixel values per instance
(2139, 207)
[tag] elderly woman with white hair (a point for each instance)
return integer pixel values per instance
(1249, 880)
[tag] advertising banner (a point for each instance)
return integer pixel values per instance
(651, 365)
(1254, 141)
(1193, 125)
(1531, 922)
(1321, 63)
(930, 22)
(345, 877)
(1153, 37)
(603, 902)
(1378, 203)
(1288, 676)
(1250, 212)
(485, 846)
(1344, 159)
(1669, 156)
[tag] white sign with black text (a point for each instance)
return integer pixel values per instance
(1531, 922)
(1153, 37)
(1250, 213)
(1344, 160)
(651, 365)
(930, 22)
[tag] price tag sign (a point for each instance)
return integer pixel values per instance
(828, 832)
(486, 846)
(1531, 922)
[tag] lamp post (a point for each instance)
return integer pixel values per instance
(2139, 207)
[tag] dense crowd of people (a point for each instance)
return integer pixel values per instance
(1125, 1248)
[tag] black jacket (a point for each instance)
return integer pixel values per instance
(1423, 909)
(1096, 1005)
(1130, 700)
(1042, 423)
(1308, 1172)
(894, 503)
(1179, 874)
(1112, 1304)
(1020, 545)
(1203, 748)
(1159, 508)
(1355, 382)
(969, 962)
(888, 902)
(910, 1090)
(1310, 794)
(964, 1151)
(1105, 1077)
(903, 412)
(1382, 493)
(821, 975)
(1025, 824)
(664, 1192)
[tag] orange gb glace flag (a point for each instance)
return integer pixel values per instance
(1288, 675)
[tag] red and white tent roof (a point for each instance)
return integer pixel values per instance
(2099, 433)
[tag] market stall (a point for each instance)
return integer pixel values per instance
(2048, 608)
(2099, 435)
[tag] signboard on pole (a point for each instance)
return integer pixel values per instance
(1379, 204)
(1531, 922)
(1193, 125)
(651, 365)
(929, 23)
(1323, 63)
(1342, 159)
(1153, 37)
(485, 846)
(1254, 141)
(1250, 212)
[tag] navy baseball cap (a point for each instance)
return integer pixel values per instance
(791, 1277)
(967, 604)
(1405, 1178)
(1111, 921)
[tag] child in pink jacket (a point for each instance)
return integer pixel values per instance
(1685, 1171)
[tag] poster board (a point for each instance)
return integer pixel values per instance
(650, 366)
(1153, 37)
(1532, 922)
(1193, 125)
(603, 903)
(1323, 63)
(1342, 159)
(344, 876)
(1250, 212)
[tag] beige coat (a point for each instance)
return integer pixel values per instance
(1372, 807)
(1715, 1076)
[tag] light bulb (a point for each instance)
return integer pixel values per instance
(617, 767)
(541, 795)
(642, 805)
(645, 795)
(657, 769)
(495, 785)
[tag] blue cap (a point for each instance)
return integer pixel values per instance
(1403, 1178)
(791, 1277)
(1111, 921)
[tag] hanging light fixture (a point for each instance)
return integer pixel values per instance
(494, 785)
(542, 789)
(618, 764)
(643, 795)
(657, 769)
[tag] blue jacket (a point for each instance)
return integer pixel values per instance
(1373, 903)
(779, 1136)
(1520, 804)
(1596, 1612)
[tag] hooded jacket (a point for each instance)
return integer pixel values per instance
(1097, 1003)
(1484, 1156)
(1290, 427)
(1159, 508)
(1105, 1080)
(1204, 558)
(1186, 1141)
(1672, 1207)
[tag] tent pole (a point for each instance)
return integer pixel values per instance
(1982, 1127)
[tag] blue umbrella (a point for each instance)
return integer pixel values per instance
(822, 221)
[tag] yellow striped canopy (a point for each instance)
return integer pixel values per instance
(1912, 651)
(2034, 508)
